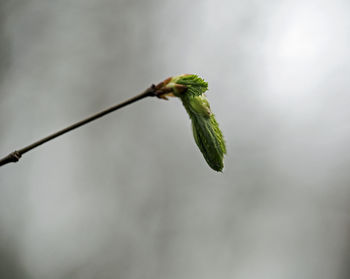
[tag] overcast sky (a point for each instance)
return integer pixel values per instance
(130, 195)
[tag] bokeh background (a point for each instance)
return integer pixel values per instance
(130, 196)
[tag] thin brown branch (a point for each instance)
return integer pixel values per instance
(16, 155)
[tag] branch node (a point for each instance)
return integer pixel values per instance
(15, 156)
(11, 158)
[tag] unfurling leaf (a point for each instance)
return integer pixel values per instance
(190, 89)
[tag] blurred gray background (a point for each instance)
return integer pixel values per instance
(130, 196)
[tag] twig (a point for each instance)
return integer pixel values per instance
(152, 91)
